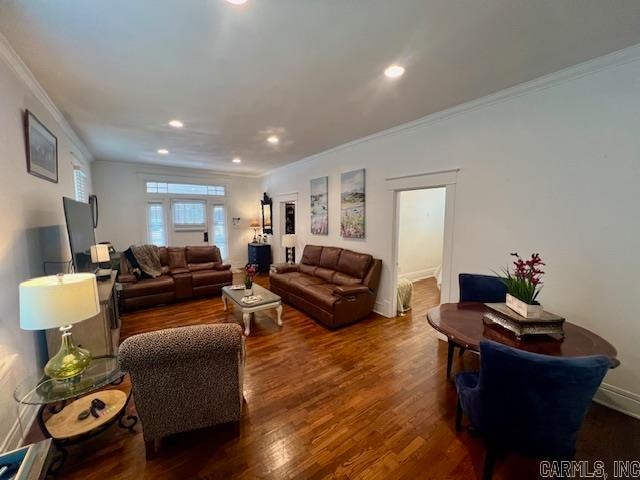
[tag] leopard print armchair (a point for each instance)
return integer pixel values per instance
(185, 378)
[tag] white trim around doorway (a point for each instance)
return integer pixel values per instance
(438, 179)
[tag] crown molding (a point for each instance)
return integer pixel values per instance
(17, 65)
(615, 59)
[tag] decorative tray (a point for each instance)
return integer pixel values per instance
(500, 314)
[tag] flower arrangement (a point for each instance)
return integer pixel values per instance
(525, 282)
(250, 271)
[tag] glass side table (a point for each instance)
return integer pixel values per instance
(65, 422)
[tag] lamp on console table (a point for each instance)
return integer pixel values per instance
(289, 242)
(58, 301)
(255, 224)
(99, 254)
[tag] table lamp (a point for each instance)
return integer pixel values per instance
(99, 254)
(289, 241)
(58, 301)
(256, 226)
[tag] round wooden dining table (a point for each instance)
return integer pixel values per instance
(463, 325)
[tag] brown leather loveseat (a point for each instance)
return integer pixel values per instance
(187, 272)
(333, 285)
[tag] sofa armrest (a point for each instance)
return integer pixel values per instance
(285, 267)
(127, 278)
(350, 290)
(222, 266)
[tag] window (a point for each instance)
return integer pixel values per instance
(156, 233)
(185, 189)
(189, 214)
(80, 185)
(220, 230)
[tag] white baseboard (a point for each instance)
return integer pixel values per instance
(618, 399)
(14, 438)
(419, 274)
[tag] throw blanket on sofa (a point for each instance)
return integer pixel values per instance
(148, 259)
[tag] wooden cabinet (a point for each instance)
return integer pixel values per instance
(260, 254)
(100, 334)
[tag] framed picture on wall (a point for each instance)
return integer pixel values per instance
(42, 149)
(320, 206)
(352, 206)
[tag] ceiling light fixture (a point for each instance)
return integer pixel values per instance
(237, 2)
(163, 151)
(394, 71)
(176, 124)
(237, 160)
(273, 140)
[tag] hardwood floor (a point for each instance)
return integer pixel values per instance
(366, 402)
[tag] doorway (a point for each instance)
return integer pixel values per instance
(420, 248)
(288, 226)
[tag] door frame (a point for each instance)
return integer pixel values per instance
(423, 181)
(282, 199)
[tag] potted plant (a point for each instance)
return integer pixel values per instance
(250, 271)
(524, 285)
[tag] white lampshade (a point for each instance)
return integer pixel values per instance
(58, 300)
(289, 240)
(100, 253)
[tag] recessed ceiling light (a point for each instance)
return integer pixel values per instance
(273, 140)
(237, 160)
(163, 151)
(237, 2)
(176, 124)
(394, 71)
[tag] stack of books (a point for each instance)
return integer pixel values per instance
(251, 299)
(500, 314)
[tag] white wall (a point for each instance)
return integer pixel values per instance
(32, 230)
(122, 199)
(420, 232)
(551, 167)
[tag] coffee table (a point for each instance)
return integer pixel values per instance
(269, 300)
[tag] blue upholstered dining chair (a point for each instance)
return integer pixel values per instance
(475, 287)
(526, 402)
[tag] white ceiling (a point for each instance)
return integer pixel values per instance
(308, 70)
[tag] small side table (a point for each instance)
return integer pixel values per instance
(63, 425)
(260, 254)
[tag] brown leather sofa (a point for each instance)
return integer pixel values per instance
(335, 286)
(187, 272)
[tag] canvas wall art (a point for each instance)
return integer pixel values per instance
(42, 149)
(352, 208)
(320, 206)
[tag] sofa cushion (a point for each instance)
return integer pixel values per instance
(210, 277)
(325, 274)
(340, 278)
(311, 255)
(297, 284)
(329, 257)
(354, 264)
(202, 254)
(164, 257)
(177, 258)
(307, 269)
(195, 267)
(320, 295)
(149, 286)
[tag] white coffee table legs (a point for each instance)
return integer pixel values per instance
(279, 312)
(224, 302)
(246, 318)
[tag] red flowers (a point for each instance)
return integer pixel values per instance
(529, 270)
(526, 280)
(250, 271)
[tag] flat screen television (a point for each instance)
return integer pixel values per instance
(81, 234)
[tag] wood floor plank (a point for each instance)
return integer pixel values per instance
(369, 401)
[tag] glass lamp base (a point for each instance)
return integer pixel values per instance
(70, 359)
